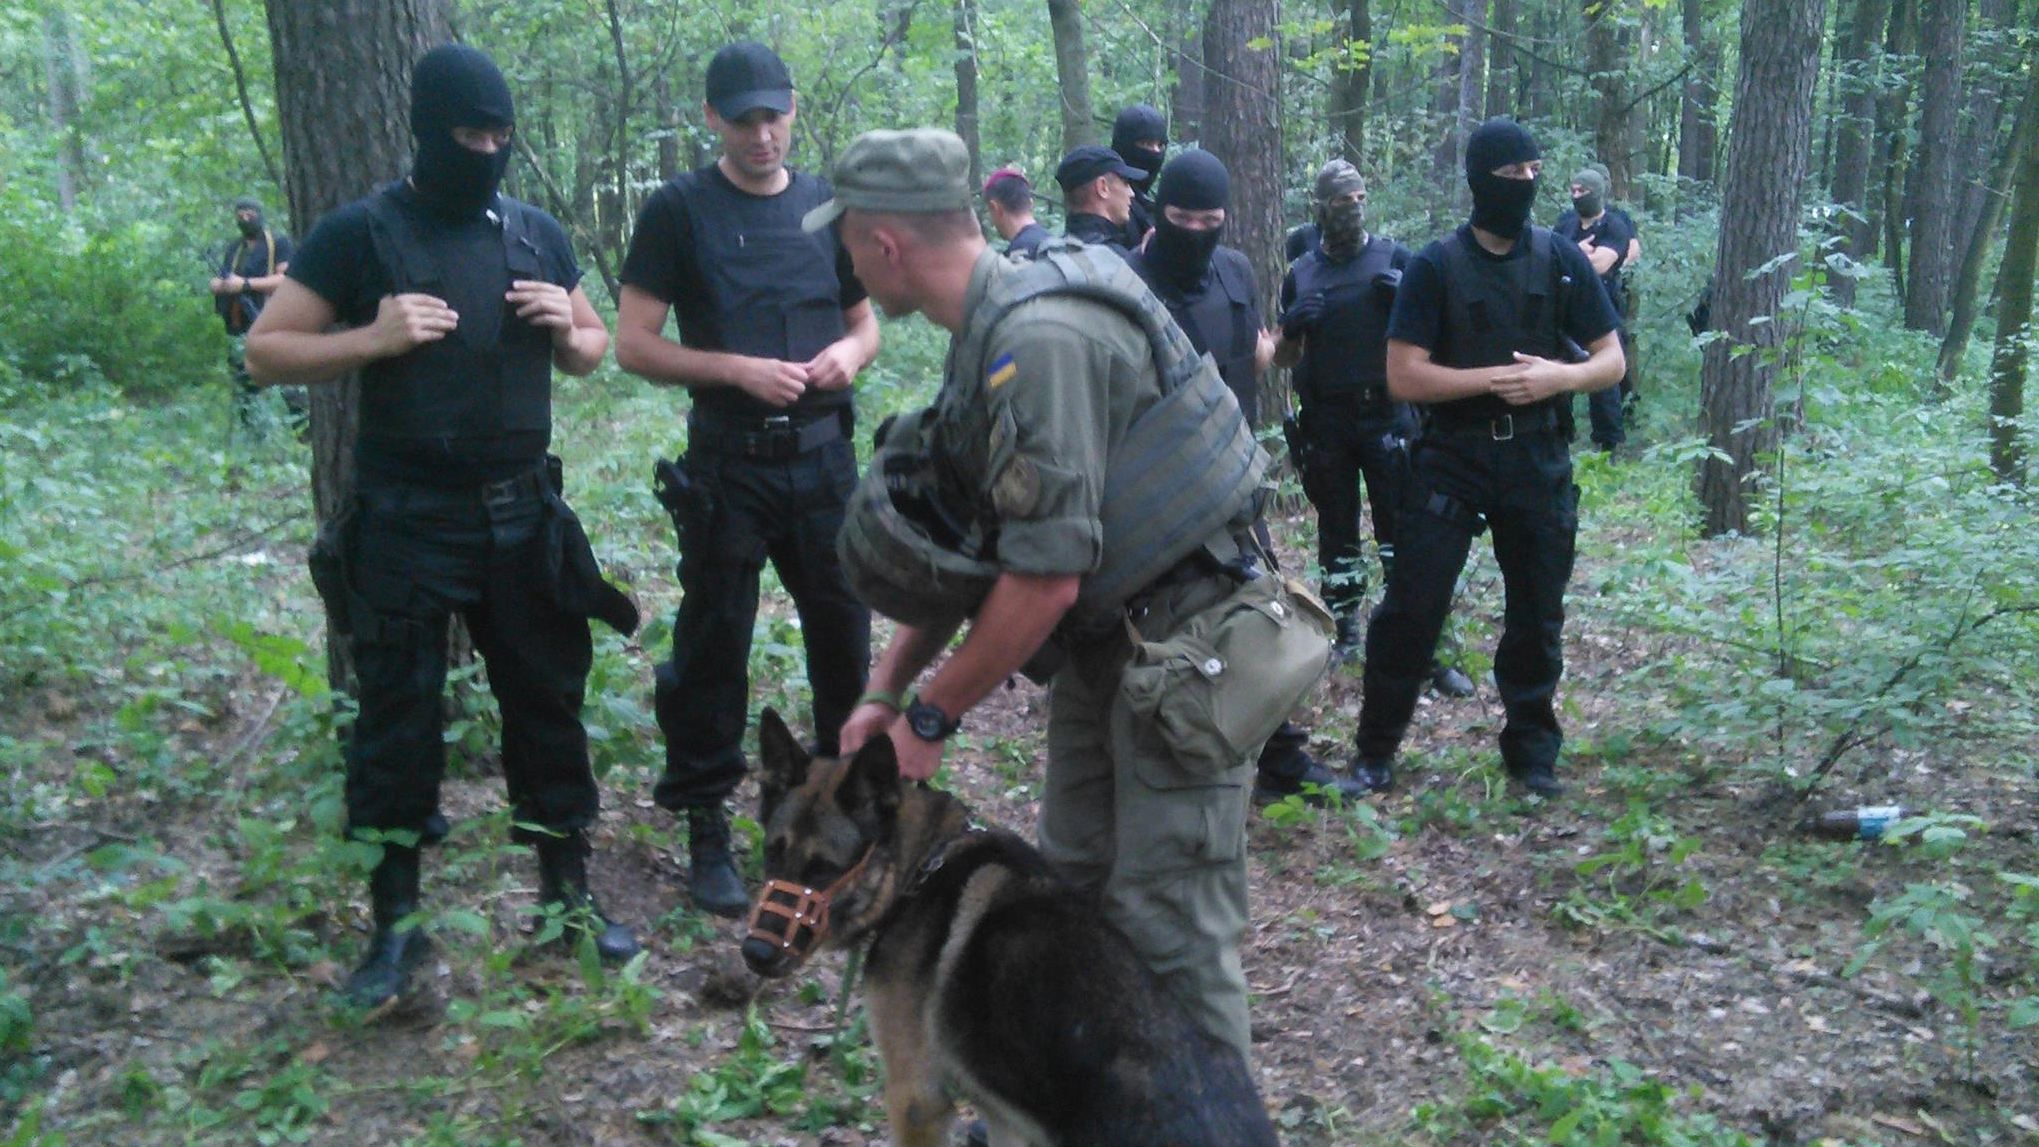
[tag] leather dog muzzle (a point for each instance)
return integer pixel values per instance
(801, 913)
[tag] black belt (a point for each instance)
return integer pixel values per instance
(775, 439)
(1500, 428)
(508, 492)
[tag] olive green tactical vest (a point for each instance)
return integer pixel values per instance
(1187, 472)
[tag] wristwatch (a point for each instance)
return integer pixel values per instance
(930, 723)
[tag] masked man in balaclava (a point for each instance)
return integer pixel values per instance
(249, 273)
(1478, 334)
(455, 303)
(1607, 235)
(1208, 289)
(1335, 303)
(1140, 136)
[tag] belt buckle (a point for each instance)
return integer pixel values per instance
(500, 495)
(1494, 428)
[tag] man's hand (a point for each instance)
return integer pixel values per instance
(870, 719)
(772, 382)
(834, 368)
(1586, 246)
(543, 304)
(1263, 350)
(406, 321)
(1302, 315)
(1532, 379)
(918, 759)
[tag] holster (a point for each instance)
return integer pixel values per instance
(572, 573)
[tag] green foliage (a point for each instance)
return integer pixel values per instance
(1513, 1101)
(1639, 881)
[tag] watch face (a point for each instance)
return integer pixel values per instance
(927, 722)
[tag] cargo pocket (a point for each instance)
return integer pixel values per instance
(1218, 687)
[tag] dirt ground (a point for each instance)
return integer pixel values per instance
(1381, 945)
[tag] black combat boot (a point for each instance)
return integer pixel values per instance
(1373, 776)
(1269, 787)
(711, 878)
(563, 880)
(1538, 780)
(1349, 641)
(392, 952)
(1450, 681)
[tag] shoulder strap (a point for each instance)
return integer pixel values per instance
(269, 237)
(396, 244)
(1378, 257)
(1072, 270)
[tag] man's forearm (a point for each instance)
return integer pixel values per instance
(582, 350)
(296, 358)
(911, 650)
(661, 361)
(1017, 617)
(863, 336)
(1416, 378)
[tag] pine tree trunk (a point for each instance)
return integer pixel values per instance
(1072, 73)
(1351, 78)
(1613, 142)
(1502, 95)
(1697, 133)
(1189, 77)
(1992, 70)
(1996, 189)
(1854, 136)
(1242, 128)
(966, 85)
(1768, 156)
(62, 69)
(2014, 310)
(1933, 198)
(343, 86)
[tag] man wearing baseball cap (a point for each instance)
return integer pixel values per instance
(1033, 432)
(1097, 188)
(1009, 200)
(773, 328)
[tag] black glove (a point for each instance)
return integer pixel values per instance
(1385, 285)
(1302, 315)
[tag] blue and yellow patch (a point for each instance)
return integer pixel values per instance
(1002, 371)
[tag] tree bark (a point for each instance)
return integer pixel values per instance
(1242, 127)
(966, 85)
(1768, 156)
(1072, 74)
(1933, 198)
(1697, 134)
(2014, 309)
(1608, 63)
(1189, 80)
(1351, 77)
(1854, 136)
(1968, 280)
(1502, 93)
(63, 70)
(1893, 110)
(343, 80)
(1993, 67)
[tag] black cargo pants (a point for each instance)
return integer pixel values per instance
(417, 556)
(1345, 443)
(1468, 478)
(751, 500)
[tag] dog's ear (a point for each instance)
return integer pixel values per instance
(785, 763)
(872, 784)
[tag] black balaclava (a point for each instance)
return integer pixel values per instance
(250, 228)
(457, 86)
(1136, 123)
(1193, 181)
(1341, 227)
(1595, 199)
(1500, 205)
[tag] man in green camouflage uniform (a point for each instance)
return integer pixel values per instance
(1061, 409)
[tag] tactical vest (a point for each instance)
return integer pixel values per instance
(456, 387)
(772, 288)
(1219, 323)
(1346, 357)
(1185, 473)
(1495, 307)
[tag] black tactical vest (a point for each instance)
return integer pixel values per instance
(1346, 357)
(772, 288)
(485, 378)
(1219, 323)
(1495, 307)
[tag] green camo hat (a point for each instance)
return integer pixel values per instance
(915, 172)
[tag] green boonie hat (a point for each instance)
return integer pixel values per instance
(921, 171)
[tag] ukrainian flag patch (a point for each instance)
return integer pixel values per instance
(1002, 371)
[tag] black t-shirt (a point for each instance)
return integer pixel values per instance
(663, 261)
(1419, 314)
(1027, 240)
(1095, 231)
(1612, 231)
(337, 263)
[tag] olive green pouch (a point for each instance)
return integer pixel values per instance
(1225, 680)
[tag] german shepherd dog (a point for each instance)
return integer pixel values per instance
(988, 978)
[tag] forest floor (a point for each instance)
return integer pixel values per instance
(1660, 956)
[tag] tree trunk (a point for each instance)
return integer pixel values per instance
(1697, 134)
(669, 124)
(966, 85)
(1613, 133)
(1892, 113)
(1993, 67)
(63, 68)
(1351, 77)
(343, 80)
(1449, 142)
(1072, 74)
(1768, 148)
(2014, 308)
(1968, 280)
(1502, 93)
(1854, 136)
(1189, 80)
(1242, 128)
(1933, 199)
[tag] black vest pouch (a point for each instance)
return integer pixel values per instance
(573, 577)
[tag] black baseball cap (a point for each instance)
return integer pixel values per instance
(745, 76)
(1086, 163)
